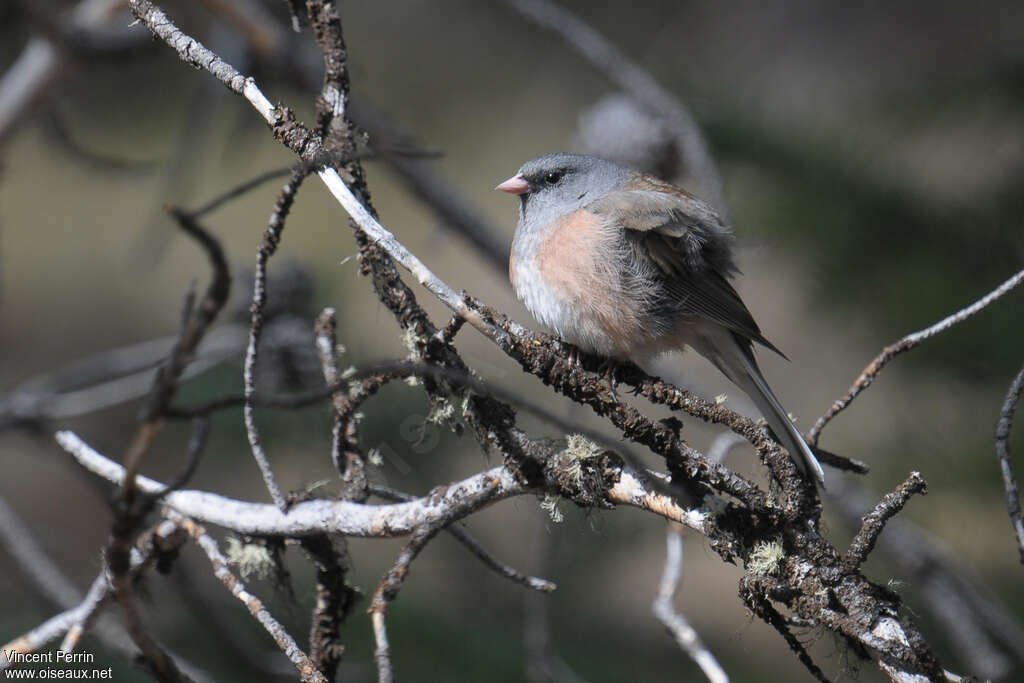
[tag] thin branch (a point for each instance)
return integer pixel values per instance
(905, 344)
(19, 543)
(346, 454)
(196, 445)
(606, 58)
(302, 141)
(194, 328)
(307, 671)
(335, 599)
(271, 238)
(1005, 465)
(664, 609)
(239, 190)
(70, 624)
(471, 544)
(392, 582)
(874, 522)
(82, 616)
(129, 508)
(382, 653)
(110, 377)
(756, 601)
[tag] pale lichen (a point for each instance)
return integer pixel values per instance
(252, 559)
(549, 504)
(766, 558)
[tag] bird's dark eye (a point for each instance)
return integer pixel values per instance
(553, 177)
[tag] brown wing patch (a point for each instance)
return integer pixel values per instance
(645, 182)
(688, 244)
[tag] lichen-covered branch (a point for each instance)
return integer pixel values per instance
(874, 522)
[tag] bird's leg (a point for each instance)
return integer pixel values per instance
(607, 370)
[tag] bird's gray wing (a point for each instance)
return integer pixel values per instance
(690, 247)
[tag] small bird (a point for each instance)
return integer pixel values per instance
(627, 266)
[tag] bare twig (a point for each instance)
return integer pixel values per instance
(271, 238)
(334, 600)
(70, 624)
(196, 444)
(110, 378)
(307, 671)
(755, 600)
(392, 582)
(239, 190)
(348, 458)
(130, 509)
(196, 324)
(664, 609)
(194, 53)
(874, 522)
(335, 597)
(20, 544)
(382, 653)
(463, 537)
(1005, 465)
(905, 344)
(81, 616)
(633, 79)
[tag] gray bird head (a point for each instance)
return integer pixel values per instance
(556, 184)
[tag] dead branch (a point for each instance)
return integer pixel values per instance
(271, 238)
(903, 345)
(471, 544)
(307, 671)
(873, 524)
(664, 609)
(1003, 453)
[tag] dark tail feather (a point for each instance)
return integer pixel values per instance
(736, 360)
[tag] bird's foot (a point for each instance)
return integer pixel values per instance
(607, 370)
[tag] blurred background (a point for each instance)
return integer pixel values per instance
(872, 159)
